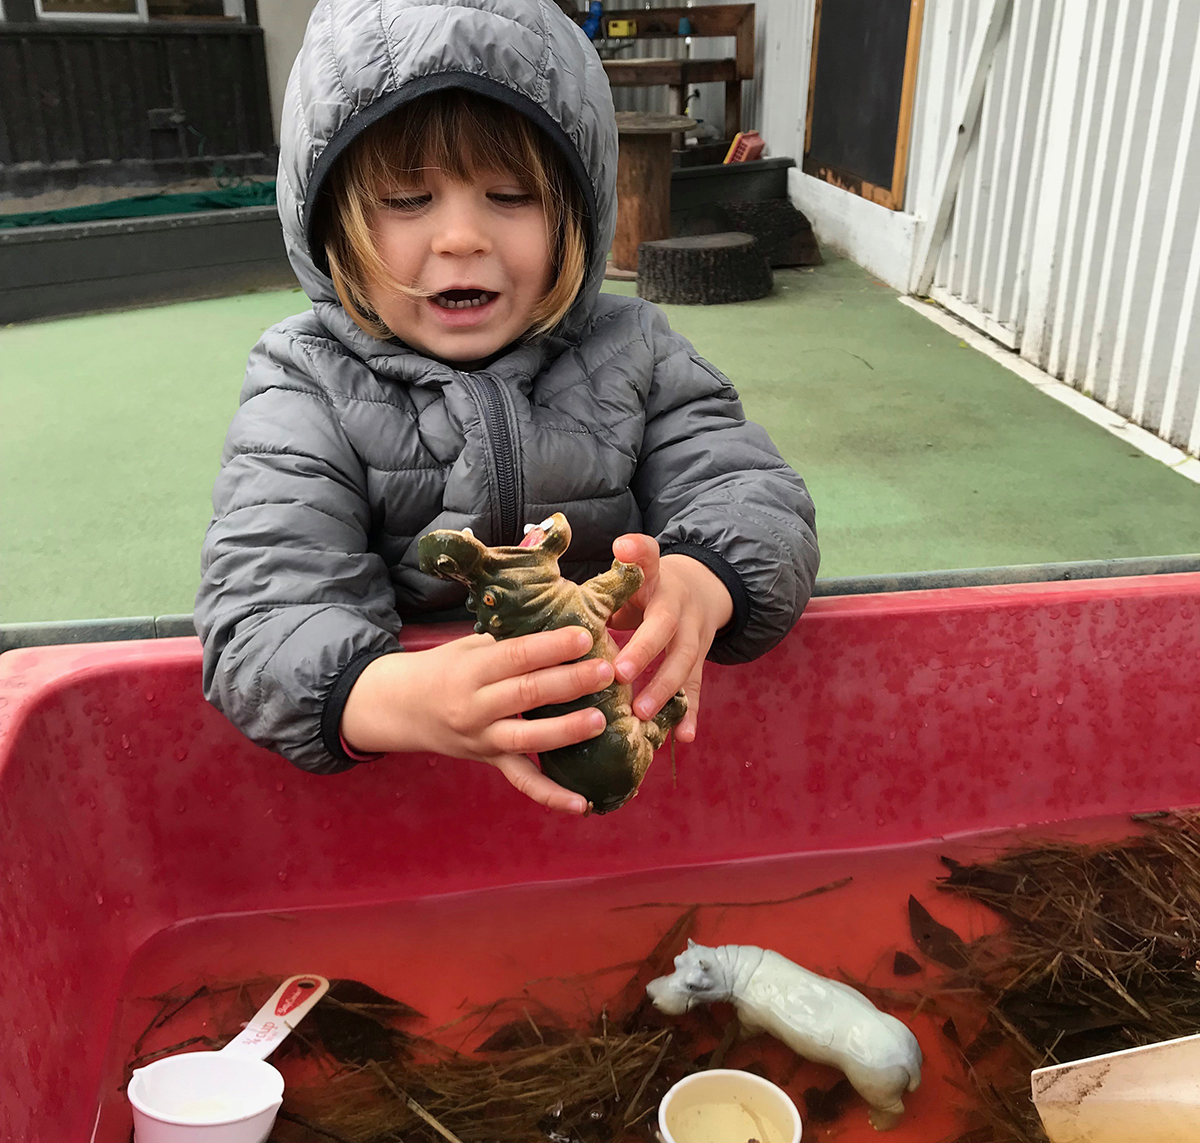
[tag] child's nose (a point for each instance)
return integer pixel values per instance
(462, 230)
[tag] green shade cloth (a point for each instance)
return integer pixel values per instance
(144, 205)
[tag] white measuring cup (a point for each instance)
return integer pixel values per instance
(230, 1096)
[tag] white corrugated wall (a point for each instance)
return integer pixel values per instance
(1075, 233)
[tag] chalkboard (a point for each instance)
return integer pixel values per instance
(861, 86)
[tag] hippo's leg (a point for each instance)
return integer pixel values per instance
(882, 1089)
(611, 590)
(884, 1119)
(657, 729)
(747, 1029)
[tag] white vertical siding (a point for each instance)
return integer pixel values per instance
(1075, 233)
(783, 43)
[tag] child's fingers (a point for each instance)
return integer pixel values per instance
(676, 669)
(656, 631)
(636, 548)
(535, 735)
(564, 683)
(527, 778)
(686, 730)
(527, 653)
(627, 618)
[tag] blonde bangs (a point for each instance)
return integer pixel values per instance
(463, 135)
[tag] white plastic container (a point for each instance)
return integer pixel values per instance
(1131, 1096)
(727, 1106)
(230, 1096)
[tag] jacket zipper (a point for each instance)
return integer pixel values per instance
(505, 454)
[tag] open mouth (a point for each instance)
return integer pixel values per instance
(462, 299)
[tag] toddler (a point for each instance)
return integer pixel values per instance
(446, 187)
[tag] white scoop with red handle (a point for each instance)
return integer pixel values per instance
(230, 1096)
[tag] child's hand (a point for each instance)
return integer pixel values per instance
(462, 700)
(679, 608)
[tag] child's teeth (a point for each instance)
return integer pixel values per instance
(463, 303)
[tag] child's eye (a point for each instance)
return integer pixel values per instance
(516, 198)
(407, 202)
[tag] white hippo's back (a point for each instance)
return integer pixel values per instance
(834, 1020)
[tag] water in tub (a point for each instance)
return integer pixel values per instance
(723, 1123)
(573, 945)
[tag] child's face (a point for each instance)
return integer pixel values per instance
(482, 247)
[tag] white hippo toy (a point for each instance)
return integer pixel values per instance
(820, 1019)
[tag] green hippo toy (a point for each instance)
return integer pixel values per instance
(519, 590)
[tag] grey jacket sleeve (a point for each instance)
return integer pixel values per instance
(711, 484)
(292, 603)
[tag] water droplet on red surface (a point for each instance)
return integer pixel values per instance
(1033, 691)
(282, 875)
(279, 787)
(99, 898)
(432, 762)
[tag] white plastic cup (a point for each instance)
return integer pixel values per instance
(205, 1097)
(725, 1105)
(230, 1096)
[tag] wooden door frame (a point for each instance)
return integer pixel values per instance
(891, 197)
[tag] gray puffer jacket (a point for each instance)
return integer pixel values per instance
(345, 450)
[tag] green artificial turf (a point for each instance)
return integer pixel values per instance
(920, 453)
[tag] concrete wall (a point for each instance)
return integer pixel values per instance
(283, 23)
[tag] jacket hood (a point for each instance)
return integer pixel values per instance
(362, 59)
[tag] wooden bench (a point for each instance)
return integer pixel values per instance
(736, 20)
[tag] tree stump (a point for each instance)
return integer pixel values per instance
(705, 269)
(783, 232)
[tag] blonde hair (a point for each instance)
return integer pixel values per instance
(462, 134)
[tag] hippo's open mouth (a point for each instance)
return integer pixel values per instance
(536, 533)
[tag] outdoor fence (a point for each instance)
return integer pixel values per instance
(125, 102)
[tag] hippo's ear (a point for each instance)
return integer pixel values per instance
(553, 534)
(691, 943)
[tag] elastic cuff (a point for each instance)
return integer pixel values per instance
(354, 755)
(723, 570)
(335, 704)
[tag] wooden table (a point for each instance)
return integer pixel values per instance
(643, 181)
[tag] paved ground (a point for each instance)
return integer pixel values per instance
(920, 452)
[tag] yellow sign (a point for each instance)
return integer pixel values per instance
(622, 29)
